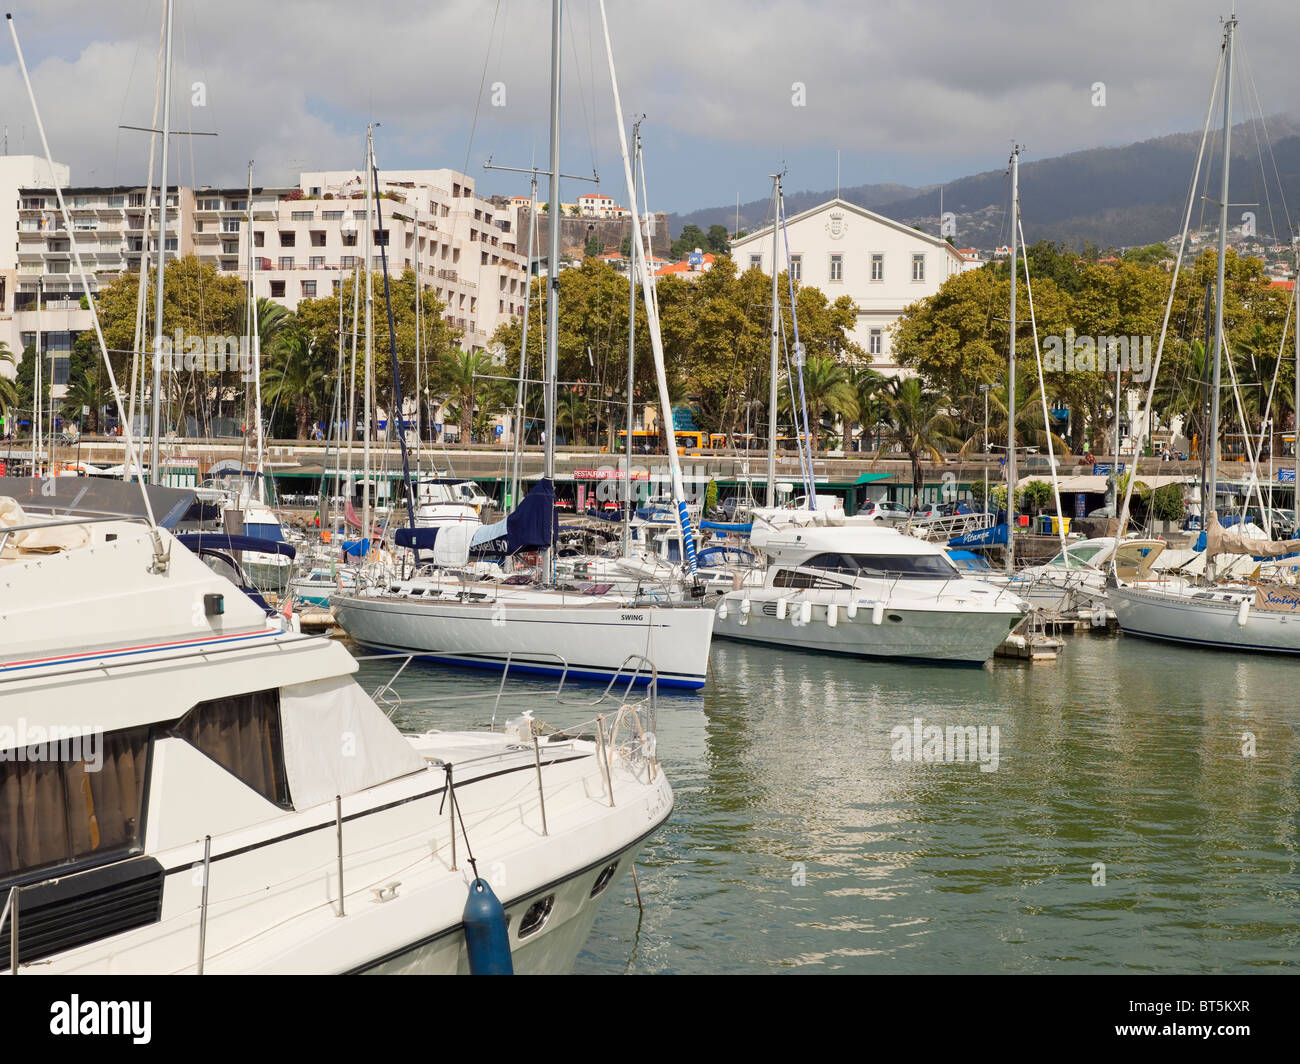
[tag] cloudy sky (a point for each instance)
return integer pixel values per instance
(908, 91)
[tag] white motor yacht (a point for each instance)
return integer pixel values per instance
(188, 786)
(868, 592)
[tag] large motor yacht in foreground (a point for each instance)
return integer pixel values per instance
(868, 592)
(186, 786)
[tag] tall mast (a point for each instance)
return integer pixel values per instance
(553, 263)
(776, 339)
(370, 320)
(1011, 368)
(419, 317)
(631, 354)
(36, 383)
(519, 424)
(1212, 476)
(155, 469)
(254, 330)
(1295, 408)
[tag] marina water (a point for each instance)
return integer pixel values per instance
(1143, 815)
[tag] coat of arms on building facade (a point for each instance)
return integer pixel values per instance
(835, 225)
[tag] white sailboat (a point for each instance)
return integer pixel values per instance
(494, 623)
(1261, 616)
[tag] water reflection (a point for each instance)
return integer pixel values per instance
(798, 842)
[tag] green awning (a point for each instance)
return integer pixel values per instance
(871, 478)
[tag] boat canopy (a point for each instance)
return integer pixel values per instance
(95, 497)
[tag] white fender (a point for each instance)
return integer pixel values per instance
(745, 607)
(1243, 611)
(722, 609)
(832, 615)
(805, 612)
(780, 609)
(851, 611)
(877, 612)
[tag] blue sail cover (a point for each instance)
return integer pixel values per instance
(533, 524)
(985, 537)
(197, 541)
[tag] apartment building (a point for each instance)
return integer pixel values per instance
(305, 240)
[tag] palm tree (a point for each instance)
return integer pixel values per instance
(918, 424)
(8, 390)
(571, 413)
(295, 376)
(1030, 431)
(829, 389)
(89, 391)
(456, 373)
(869, 387)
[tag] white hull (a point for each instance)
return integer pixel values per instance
(1175, 616)
(918, 634)
(594, 640)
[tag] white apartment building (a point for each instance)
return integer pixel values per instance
(598, 205)
(305, 240)
(843, 249)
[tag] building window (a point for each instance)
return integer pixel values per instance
(755, 262)
(259, 239)
(331, 216)
(230, 225)
(302, 216)
(288, 240)
(242, 735)
(309, 289)
(796, 267)
(877, 267)
(318, 238)
(381, 237)
(277, 289)
(874, 342)
(918, 267)
(837, 267)
(60, 809)
(338, 286)
(286, 262)
(350, 240)
(348, 262)
(316, 262)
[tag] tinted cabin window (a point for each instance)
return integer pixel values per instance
(926, 566)
(71, 800)
(242, 735)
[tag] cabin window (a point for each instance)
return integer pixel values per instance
(72, 799)
(926, 566)
(242, 734)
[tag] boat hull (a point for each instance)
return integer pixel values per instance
(591, 642)
(1173, 618)
(918, 634)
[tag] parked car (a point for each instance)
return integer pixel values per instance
(883, 510)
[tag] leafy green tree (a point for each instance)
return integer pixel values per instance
(717, 241)
(595, 247)
(830, 393)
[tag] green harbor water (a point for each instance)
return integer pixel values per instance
(1144, 814)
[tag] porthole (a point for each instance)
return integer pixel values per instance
(895, 617)
(536, 916)
(603, 880)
